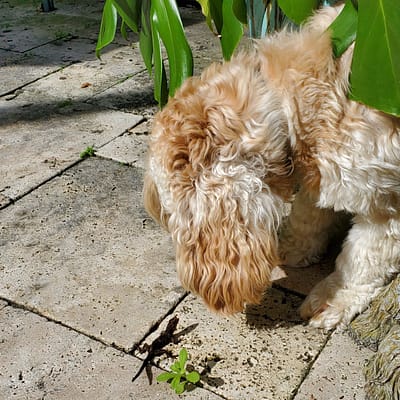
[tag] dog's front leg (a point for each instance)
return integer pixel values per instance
(370, 257)
(306, 232)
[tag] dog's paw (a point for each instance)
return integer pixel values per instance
(329, 305)
(325, 316)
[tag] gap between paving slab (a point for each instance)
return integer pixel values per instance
(23, 27)
(337, 372)
(261, 354)
(39, 150)
(75, 367)
(81, 250)
(76, 83)
(26, 68)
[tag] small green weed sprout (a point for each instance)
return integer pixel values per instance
(60, 34)
(179, 376)
(88, 152)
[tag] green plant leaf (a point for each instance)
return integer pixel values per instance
(129, 10)
(175, 381)
(179, 387)
(232, 30)
(193, 377)
(176, 367)
(298, 11)
(165, 376)
(108, 26)
(166, 21)
(344, 29)
(145, 36)
(239, 9)
(160, 77)
(375, 73)
(183, 356)
(256, 18)
(124, 32)
(215, 7)
(205, 9)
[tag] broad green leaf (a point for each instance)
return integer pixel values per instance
(129, 10)
(145, 38)
(239, 9)
(183, 356)
(375, 73)
(179, 387)
(160, 77)
(217, 14)
(175, 382)
(298, 10)
(193, 377)
(165, 376)
(232, 30)
(344, 29)
(124, 32)
(176, 367)
(167, 22)
(108, 26)
(205, 9)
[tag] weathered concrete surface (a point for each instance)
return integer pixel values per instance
(80, 81)
(260, 354)
(41, 359)
(134, 94)
(27, 67)
(23, 27)
(81, 250)
(130, 148)
(336, 374)
(40, 149)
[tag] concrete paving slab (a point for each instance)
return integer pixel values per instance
(9, 8)
(92, 9)
(82, 80)
(337, 373)
(42, 359)
(22, 69)
(82, 250)
(130, 148)
(4, 200)
(26, 29)
(40, 149)
(134, 94)
(261, 354)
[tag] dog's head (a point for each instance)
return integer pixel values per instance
(217, 179)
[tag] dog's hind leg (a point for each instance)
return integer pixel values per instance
(307, 231)
(370, 257)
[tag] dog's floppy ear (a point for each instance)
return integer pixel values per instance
(152, 202)
(226, 241)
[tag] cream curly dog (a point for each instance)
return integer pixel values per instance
(235, 144)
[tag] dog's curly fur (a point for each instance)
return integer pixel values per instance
(236, 143)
